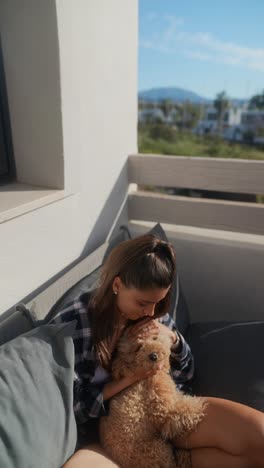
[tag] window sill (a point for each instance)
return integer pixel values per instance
(18, 199)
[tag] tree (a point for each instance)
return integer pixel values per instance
(166, 105)
(257, 101)
(191, 115)
(221, 104)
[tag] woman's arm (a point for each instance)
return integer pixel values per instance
(182, 362)
(112, 388)
(116, 386)
(90, 398)
(88, 395)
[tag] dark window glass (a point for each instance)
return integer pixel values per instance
(7, 166)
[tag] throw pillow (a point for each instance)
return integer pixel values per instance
(18, 322)
(178, 310)
(88, 283)
(37, 424)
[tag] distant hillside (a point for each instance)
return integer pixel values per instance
(178, 95)
(174, 94)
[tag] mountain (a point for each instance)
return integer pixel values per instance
(173, 94)
(179, 95)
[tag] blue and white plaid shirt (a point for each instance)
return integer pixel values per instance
(90, 378)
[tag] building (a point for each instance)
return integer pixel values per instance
(151, 115)
(210, 122)
(253, 120)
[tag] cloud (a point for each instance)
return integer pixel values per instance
(198, 55)
(203, 46)
(155, 46)
(151, 16)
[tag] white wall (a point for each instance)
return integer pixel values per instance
(97, 58)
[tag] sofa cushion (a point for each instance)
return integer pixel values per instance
(228, 361)
(20, 321)
(178, 309)
(89, 282)
(37, 424)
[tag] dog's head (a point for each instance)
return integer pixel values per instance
(148, 354)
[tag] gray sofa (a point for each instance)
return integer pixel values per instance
(222, 284)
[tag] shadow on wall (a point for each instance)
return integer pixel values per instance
(113, 215)
(114, 212)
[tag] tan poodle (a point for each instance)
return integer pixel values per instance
(145, 417)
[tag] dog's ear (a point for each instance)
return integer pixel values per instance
(119, 368)
(123, 362)
(127, 346)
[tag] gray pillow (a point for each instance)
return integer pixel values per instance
(37, 424)
(20, 321)
(178, 308)
(228, 361)
(89, 282)
(86, 285)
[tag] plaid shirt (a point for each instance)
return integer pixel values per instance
(90, 378)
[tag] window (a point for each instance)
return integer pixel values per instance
(7, 166)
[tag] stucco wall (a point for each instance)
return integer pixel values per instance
(96, 68)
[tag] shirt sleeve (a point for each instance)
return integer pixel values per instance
(181, 359)
(88, 401)
(88, 395)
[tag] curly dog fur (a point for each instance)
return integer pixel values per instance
(146, 416)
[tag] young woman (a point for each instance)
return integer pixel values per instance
(135, 289)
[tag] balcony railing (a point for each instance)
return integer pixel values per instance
(211, 174)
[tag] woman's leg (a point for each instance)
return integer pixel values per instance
(230, 427)
(92, 456)
(215, 458)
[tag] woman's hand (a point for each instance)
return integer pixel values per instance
(150, 327)
(166, 331)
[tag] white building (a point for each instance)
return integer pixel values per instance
(156, 114)
(253, 119)
(151, 115)
(210, 123)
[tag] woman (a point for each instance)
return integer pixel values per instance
(135, 287)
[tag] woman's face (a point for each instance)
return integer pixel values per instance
(134, 303)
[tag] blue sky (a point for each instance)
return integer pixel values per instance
(203, 46)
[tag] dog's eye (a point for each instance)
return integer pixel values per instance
(155, 338)
(138, 348)
(153, 357)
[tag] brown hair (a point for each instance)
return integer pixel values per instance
(143, 263)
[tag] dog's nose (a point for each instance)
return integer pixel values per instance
(153, 356)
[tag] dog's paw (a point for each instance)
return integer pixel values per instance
(184, 418)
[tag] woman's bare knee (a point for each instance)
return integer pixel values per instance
(212, 457)
(255, 451)
(90, 456)
(228, 426)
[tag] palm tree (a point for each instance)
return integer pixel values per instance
(221, 104)
(257, 101)
(166, 105)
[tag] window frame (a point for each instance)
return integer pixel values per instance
(6, 147)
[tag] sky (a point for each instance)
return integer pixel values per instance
(203, 46)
